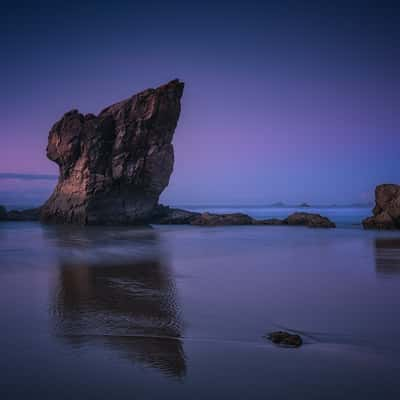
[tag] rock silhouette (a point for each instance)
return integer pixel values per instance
(165, 215)
(114, 166)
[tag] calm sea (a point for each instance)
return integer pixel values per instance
(179, 312)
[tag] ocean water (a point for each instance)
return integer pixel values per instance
(179, 312)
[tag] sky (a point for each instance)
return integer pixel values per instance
(284, 100)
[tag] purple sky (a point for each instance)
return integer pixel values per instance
(286, 101)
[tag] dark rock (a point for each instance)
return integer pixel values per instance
(3, 213)
(172, 216)
(304, 205)
(310, 220)
(207, 219)
(167, 215)
(32, 214)
(114, 166)
(386, 213)
(19, 215)
(285, 339)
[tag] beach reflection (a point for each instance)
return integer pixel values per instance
(387, 256)
(120, 297)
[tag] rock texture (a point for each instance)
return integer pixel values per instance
(386, 213)
(114, 166)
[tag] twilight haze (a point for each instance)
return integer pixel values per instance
(285, 101)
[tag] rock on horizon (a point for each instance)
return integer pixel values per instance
(386, 213)
(114, 166)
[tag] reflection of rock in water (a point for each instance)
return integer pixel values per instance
(387, 256)
(129, 306)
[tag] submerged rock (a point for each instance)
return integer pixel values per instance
(310, 220)
(114, 166)
(386, 213)
(285, 339)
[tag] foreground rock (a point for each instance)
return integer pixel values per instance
(285, 339)
(310, 220)
(114, 166)
(32, 214)
(170, 216)
(386, 213)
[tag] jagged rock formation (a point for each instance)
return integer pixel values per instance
(114, 166)
(387, 208)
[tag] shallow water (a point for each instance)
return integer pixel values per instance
(180, 312)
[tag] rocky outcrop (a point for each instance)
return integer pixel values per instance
(386, 213)
(167, 216)
(209, 219)
(175, 216)
(285, 339)
(3, 213)
(114, 166)
(310, 220)
(31, 214)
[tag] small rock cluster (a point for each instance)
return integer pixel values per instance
(166, 216)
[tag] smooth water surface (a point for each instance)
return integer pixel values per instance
(180, 312)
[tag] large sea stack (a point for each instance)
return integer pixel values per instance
(387, 208)
(114, 166)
